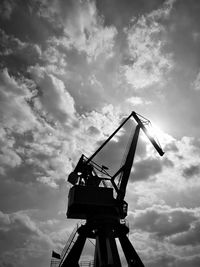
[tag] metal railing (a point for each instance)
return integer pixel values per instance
(86, 264)
(55, 262)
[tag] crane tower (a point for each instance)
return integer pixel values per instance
(97, 198)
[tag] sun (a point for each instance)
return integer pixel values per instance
(155, 132)
(160, 136)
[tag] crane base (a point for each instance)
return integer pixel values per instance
(106, 254)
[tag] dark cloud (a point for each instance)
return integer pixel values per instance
(121, 12)
(163, 222)
(190, 237)
(26, 22)
(196, 143)
(164, 260)
(7, 8)
(17, 233)
(183, 39)
(145, 169)
(187, 197)
(92, 130)
(6, 264)
(193, 261)
(168, 163)
(16, 196)
(16, 56)
(191, 171)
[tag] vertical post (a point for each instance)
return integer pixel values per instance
(96, 256)
(101, 250)
(113, 258)
(106, 253)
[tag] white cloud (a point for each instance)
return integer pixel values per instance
(196, 83)
(84, 30)
(15, 112)
(148, 63)
(9, 158)
(164, 11)
(136, 100)
(53, 97)
(16, 117)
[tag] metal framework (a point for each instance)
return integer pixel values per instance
(92, 200)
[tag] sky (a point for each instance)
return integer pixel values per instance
(70, 71)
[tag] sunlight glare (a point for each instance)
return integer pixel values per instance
(159, 135)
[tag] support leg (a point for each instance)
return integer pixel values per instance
(96, 256)
(131, 255)
(73, 256)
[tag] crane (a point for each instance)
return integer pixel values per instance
(97, 198)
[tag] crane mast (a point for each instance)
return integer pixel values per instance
(92, 200)
(126, 169)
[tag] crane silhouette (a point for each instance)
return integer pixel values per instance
(103, 207)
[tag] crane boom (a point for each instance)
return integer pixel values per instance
(153, 141)
(126, 168)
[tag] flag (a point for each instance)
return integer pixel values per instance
(55, 255)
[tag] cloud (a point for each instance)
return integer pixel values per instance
(190, 237)
(193, 261)
(53, 98)
(38, 115)
(9, 158)
(135, 100)
(54, 59)
(84, 29)
(33, 23)
(19, 228)
(22, 240)
(18, 115)
(191, 171)
(163, 260)
(164, 221)
(145, 169)
(7, 8)
(146, 39)
(16, 55)
(163, 12)
(196, 83)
